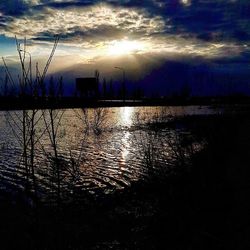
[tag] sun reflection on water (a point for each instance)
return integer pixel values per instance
(125, 149)
(126, 115)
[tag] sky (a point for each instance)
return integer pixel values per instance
(153, 40)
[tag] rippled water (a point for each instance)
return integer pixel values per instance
(111, 146)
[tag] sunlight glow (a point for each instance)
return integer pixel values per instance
(125, 47)
(186, 2)
(127, 115)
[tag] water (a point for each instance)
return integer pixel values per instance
(113, 147)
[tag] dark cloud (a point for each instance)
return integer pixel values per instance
(64, 4)
(100, 33)
(212, 20)
(13, 7)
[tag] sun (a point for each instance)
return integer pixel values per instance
(186, 2)
(125, 47)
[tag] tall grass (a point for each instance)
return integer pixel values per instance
(24, 123)
(163, 146)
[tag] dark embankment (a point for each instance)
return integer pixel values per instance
(19, 103)
(202, 206)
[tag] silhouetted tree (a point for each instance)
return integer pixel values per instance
(137, 93)
(111, 89)
(97, 76)
(104, 88)
(60, 88)
(6, 88)
(185, 91)
(51, 88)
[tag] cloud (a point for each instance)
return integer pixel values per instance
(209, 28)
(71, 23)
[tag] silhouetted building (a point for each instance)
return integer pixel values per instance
(87, 87)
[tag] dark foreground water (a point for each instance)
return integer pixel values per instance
(111, 147)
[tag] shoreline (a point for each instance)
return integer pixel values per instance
(13, 103)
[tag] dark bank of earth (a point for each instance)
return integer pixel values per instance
(202, 206)
(67, 102)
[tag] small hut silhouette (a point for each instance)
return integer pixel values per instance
(87, 87)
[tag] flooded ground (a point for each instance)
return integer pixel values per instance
(111, 147)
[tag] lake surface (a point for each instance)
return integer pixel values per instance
(113, 147)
